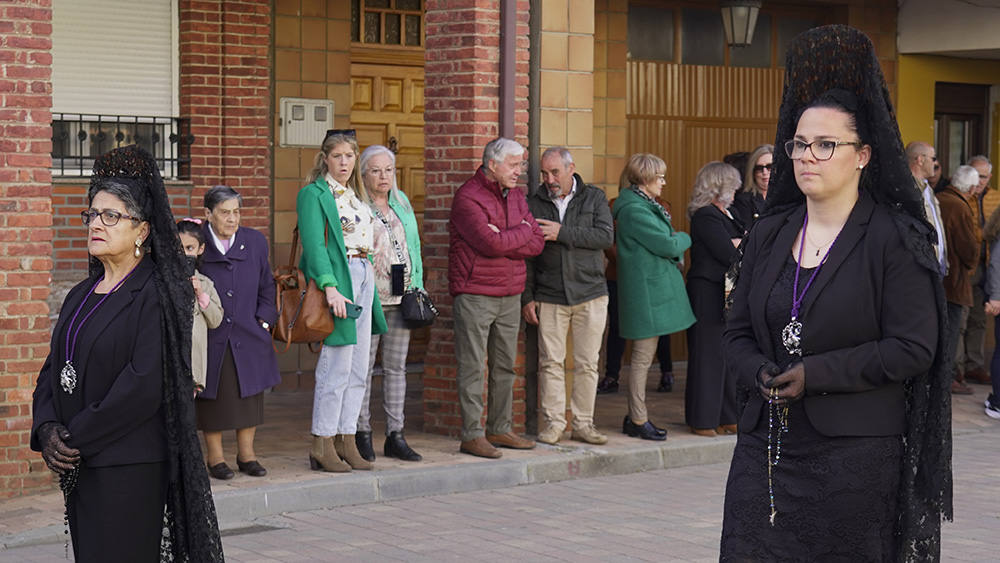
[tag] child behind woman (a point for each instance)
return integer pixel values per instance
(207, 307)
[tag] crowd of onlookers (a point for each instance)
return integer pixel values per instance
(558, 262)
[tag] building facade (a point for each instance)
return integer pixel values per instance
(234, 92)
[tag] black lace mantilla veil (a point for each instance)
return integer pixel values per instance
(190, 510)
(839, 61)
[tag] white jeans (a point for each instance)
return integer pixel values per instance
(342, 371)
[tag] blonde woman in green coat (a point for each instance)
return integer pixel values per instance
(651, 294)
(336, 227)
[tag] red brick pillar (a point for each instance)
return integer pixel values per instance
(225, 80)
(461, 115)
(25, 232)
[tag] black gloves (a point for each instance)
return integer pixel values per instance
(57, 455)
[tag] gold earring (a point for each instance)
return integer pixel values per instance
(138, 245)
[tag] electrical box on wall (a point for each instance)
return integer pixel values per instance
(304, 121)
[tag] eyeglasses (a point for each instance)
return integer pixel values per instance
(109, 217)
(757, 169)
(821, 149)
(661, 177)
(382, 172)
(344, 132)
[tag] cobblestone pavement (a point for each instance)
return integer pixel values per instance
(668, 515)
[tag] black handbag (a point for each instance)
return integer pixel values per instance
(417, 308)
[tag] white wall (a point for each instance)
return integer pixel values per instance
(941, 26)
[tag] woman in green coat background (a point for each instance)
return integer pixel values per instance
(336, 227)
(651, 294)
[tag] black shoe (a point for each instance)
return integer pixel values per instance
(396, 446)
(364, 442)
(649, 432)
(629, 428)
(252, 468)
(221, 471)
(607, 385)
(666, 383)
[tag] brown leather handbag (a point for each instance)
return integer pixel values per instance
(303, 313)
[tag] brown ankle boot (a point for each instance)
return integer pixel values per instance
(323, 455)
(347, 448)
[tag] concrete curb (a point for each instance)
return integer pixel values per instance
(236, 509)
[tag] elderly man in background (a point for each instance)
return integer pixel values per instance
(491, 232)
(964, 239)
(970, 357)
(566, 288)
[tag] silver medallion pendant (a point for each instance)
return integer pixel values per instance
(67, 378)
(791, 337)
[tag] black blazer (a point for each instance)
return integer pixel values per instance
(114, 415)
(869, 322)
(712, 250)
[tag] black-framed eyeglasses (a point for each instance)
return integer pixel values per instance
(109, 217)
(821, 149)
(758, 168)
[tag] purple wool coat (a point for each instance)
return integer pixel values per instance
(243, 279)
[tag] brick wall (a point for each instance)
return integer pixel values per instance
(25, 231)
(461, 115)
(225, 89)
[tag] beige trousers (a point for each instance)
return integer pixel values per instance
(642, 357)
(587, 321)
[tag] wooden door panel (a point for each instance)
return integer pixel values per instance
(387, 107)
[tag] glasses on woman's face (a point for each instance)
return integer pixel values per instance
(661, 178)
(821, 149)
(109, 217)
(757, 169)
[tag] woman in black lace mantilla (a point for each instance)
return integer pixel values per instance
(844, 449)
(113, 405)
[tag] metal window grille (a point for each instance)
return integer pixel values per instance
(78, 139)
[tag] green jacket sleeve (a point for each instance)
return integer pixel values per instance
(315, 261)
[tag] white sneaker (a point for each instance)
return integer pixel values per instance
(992, 407)
(551, 435)
(590, 435)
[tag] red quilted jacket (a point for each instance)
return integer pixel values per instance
(483, 262)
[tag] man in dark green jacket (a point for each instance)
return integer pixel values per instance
(566, 288)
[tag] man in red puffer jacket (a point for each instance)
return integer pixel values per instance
(491, 232)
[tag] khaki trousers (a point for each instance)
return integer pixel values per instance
(642, 357)
(554, 322)
(486, 331)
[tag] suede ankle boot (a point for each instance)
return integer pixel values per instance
(323, 455)
(347, 449)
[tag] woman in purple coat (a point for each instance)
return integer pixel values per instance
(241, 361)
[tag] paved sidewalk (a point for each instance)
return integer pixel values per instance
(664, 515)
(291, 487)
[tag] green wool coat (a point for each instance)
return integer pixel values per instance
(405, 213)
(652, 300)
(326, 261)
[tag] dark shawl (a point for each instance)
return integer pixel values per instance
(839, 62)
(191, 519)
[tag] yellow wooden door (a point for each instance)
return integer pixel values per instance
(690, 115)
(387, 108)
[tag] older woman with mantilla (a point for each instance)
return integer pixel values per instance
(112, 412)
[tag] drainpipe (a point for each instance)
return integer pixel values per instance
(534, 93)
(508, 65)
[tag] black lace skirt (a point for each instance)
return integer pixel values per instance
(835, 497)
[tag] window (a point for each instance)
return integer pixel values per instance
(388, 22)
(115, 68)
(702, 37)
(650, 33)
